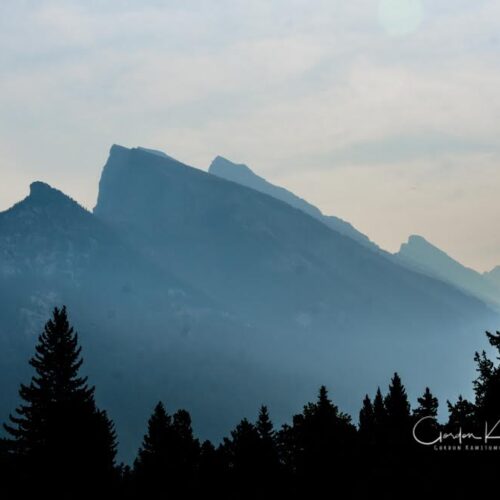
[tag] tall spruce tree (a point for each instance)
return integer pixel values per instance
(379, 417)
(398, 412)
(367, 421)
(323, 440)
(63, 442)
(428, 406)
(268, 448)
(153, 460)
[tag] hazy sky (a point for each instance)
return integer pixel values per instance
(385, 113)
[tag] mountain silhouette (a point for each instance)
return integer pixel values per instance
(427, 258)
(193, 289)
(243, 175)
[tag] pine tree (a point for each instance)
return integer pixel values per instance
(461, 415)
(398, 412)
(323, 440)
(379, 417)
(367, 421)
(243, 448)
(153, 461)
(269, 463)
(185, 449)
(264, 425)
(427, 405)
(487, 386)
(169, 455)
(59, 435)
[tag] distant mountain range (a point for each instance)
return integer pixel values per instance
(219, 292)
(417, 254)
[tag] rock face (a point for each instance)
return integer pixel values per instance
(242, 174)
(427, 258)
(216, 297)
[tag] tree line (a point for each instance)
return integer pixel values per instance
(58, 442)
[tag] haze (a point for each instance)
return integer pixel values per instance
(382, 113)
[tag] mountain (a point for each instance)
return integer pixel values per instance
(429, 259)
(213, 296)
(241, 174)
(321, 302)
(146, 334)
(493, 275)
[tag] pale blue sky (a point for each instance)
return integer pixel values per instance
(385, 113)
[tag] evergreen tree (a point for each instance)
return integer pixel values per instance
(367, 421)
(169, 455)
(241, 454)
(269, 462)
(264, 425)
(461, 415)
(379, 417)
(185, 449)
(427, 407)
(398, 412)
(152, 464)
(487, 386)
(61, 439)
(242, 449)
(323, 440)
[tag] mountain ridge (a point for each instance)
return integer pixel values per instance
(431, 260)
(242, 174)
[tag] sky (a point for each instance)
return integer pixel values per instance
(383, 112)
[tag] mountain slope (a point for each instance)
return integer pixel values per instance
(324, 304)
(243, 175)
(249, 249)
(427, 258)
(146, 334)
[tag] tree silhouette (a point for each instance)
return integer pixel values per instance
(153, 460)
(241, 453)
(168, 457)
(487, 385)
(323, 440)
(61, 439)
(461, 415)
(427, 407)
(367, 421)
(185, 450)
(398, 412)
(379, 418)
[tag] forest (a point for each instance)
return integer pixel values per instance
(58, 442)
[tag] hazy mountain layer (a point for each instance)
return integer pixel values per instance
(429, 259)
(243, 175)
